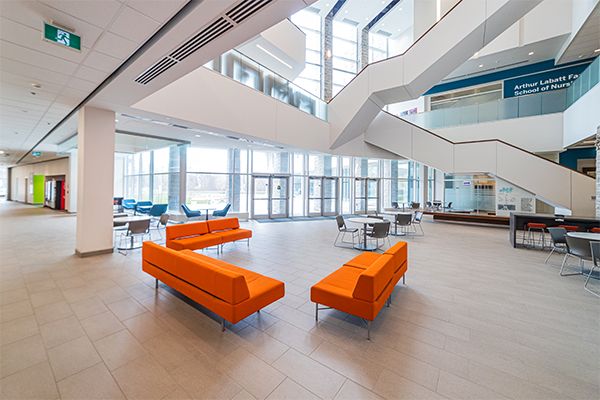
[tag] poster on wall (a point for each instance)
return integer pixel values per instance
(409, 112)
(510, 198)
(543, 82)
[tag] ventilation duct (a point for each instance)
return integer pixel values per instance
(234, 16)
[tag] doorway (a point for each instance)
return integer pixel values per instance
(366, 195)
(270, 196)
(322, 196)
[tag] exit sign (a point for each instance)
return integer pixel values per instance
(36, 153)
(61, 36)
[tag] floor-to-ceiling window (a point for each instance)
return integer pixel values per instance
(378, 47)
(345, 50)
(310, 78)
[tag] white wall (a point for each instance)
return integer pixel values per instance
(119, 185)
(540, 133)
(54, 167)
(549, 19)
(582, 118)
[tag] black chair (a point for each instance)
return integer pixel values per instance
(558, 240)
(394, 204)
(595, 250)
(415, 206)
(417, 222)
(403, 221)
(578, 248)
(381, 230)
(448, 207)
(342, 230)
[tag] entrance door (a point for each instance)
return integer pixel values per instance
(322, 198)
(366, 195)
(270, 197)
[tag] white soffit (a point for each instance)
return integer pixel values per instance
(585, 42)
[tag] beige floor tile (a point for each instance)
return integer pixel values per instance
(112, 294)
(41, 286)
(23, 354)
(353, 391)
(119, 349)
(294, 337)
(13, 296)
(15, 310)
(52, 312)
(46, 297)
(253, 374)
(170, 350)
(243, 395)
(392, 386)
(314, 376)
(145, 326)
(72, 357)
(347, 363)
(289, 389)
(36, 382)
(258, 343)
(61, 331)
(101, 325)
(202, 380)
(78, 294)
(126, 308)
(18, 329)
(455, 387)
(178, 394)
(144, 379)
(92, 383)
(88, 308)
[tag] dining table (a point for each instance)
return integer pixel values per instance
(364, 221)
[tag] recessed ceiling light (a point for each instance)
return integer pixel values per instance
(198, 135)
(531, 53)
(1, 151)
(581, 56)
(480, 65)
(168, 118)
(36, 85)
(596, 51)
(25, 111)
(399, 9)
(366, 19)
(274, 56)
(382, 24)
(346, 11)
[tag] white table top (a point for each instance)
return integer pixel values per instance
(585, 235)
(131, 218)
(364, 220)
(396, 212)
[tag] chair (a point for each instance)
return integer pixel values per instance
(417, 221)
(162, 221)
(135, 229)
(394, 204)
(428, 205)
(569, 228)
(374, 217)
(578, 248)
(448, 207)
(595, 250)
(128, 204)
(530, 240)
(143, 207)
(415, 206)
(595, 230)
(157, 210)
(189, 213)
(381, 230)
(342, 230)
(404, 221)
(223, 212)
(558, 240)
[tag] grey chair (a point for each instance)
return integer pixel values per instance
(135, 229)
(417, 222)
(342, 230)
(381, 230)
(403, 221)
(577, 248)
(162, 222)
(376, 216)
(595, 250)
(558, 241)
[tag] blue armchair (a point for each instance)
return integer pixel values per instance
(157, 210)
(143, 207)
(223, 212)
(128, 204)
(189, 213)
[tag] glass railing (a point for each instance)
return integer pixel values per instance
(514, 107)
(250, 73)
(587, 80)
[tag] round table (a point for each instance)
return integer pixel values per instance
(395, 233)
(365, 221)
(585, 235)
(122, 221)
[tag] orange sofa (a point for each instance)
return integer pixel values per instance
(362, 285)
(231, 292)
(199, 235)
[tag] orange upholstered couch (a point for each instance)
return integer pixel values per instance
(199, 235)
(229, 291)
(362, 285)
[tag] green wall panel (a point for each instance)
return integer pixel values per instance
(38, 189)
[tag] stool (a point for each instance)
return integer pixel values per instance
(532, 227)
(595, 230)
(569, 228)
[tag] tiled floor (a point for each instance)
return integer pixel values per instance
(477, 320)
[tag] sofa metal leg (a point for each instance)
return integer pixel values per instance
(368, 330)
(404, 279)
(156, 284)
(248, 242)
(317, 312)
(222, 324)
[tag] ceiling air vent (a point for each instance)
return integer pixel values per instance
(350, 22)
(384, 33)
(224, 23)
(245, 9)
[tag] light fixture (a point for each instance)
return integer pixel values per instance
(274, 56)
(1, 151)
(597, 50)
(531, 53)
(480, 65)
(198, 135)
(581, 56)
(346, 11)
(399, 9)
(476, 55)
(168, 118)
(382, 24)
(36, 85)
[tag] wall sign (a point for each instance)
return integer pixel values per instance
(36, 153)
(61, 36)
(543, 82)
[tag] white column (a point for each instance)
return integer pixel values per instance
(71, 205)
(96, 159)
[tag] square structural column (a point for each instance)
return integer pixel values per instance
(95, 169)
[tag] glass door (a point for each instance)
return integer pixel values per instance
(330, 196)
(270, 197)
(366, 195)
(322, 196)
(314, 195)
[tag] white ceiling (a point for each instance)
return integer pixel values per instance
(111, 31)
(586, 41)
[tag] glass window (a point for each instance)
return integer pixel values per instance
(163, 162)
(310, 78)
(145, 166)
(202, 159)
(298, 164)
(270, 162)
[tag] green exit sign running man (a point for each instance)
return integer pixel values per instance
(62, 37)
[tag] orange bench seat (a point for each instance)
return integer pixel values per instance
(200, 235)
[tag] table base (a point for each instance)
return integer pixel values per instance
(368, 247)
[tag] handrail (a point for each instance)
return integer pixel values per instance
(397, 55)
(487, 140)
(592, 77)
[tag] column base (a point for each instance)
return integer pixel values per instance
(93, 253)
